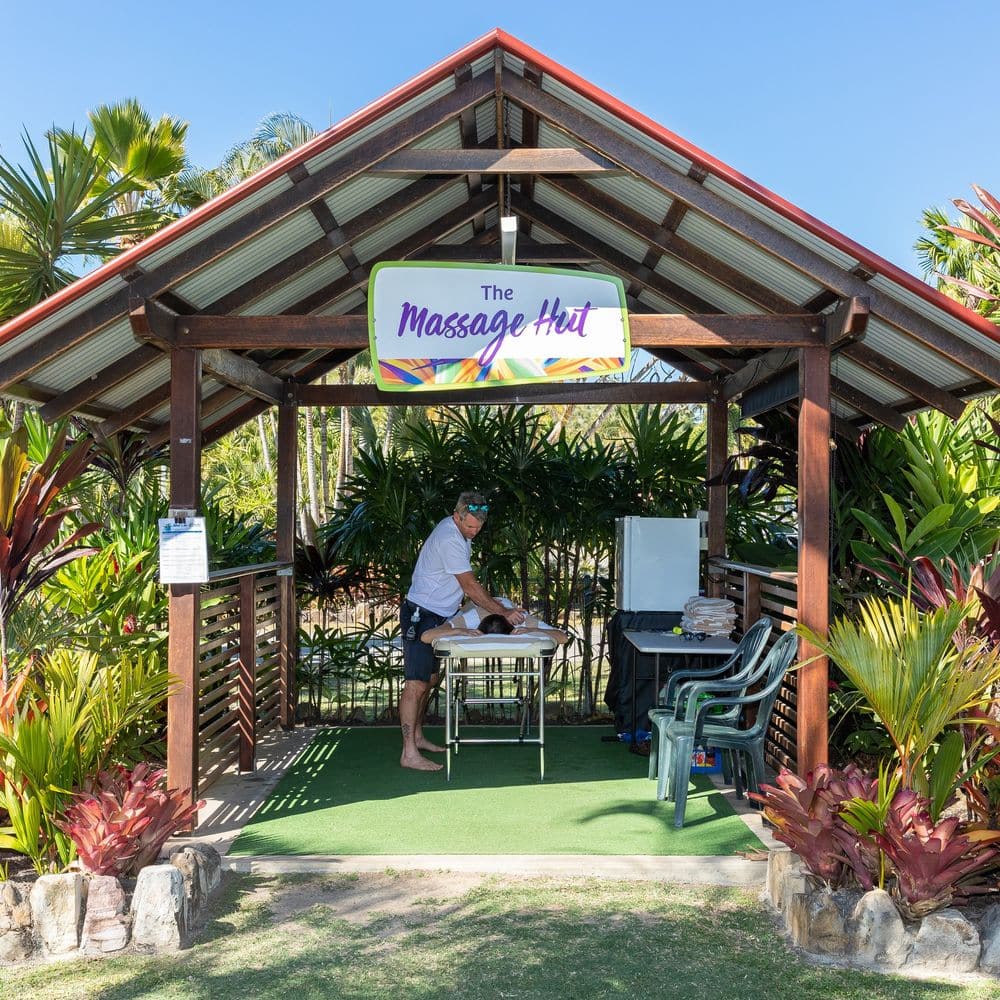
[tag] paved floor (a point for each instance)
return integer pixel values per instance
(233, 799)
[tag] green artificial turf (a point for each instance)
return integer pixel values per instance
(346, 794)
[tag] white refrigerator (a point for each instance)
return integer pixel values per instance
(657, 562)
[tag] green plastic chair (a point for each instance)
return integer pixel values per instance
(682, 736)
(737, 666)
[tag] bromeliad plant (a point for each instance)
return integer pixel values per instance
(123, 818)
(849, 827)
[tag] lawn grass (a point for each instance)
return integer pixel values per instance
(531, 938)
(347, 795)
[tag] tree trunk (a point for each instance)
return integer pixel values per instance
(324, 455)
(265, 446)
(311, 465)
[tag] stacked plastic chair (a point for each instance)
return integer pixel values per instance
(698, 728)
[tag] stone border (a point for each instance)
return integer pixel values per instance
(866, 929)
(75, 915)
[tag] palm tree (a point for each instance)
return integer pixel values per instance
(57, 216)
(965, 259)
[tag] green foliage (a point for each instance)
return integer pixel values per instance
(911, 673)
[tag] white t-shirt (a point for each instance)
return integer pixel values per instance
(470, 615)
(445, 554)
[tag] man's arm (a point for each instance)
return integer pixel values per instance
(473, 589)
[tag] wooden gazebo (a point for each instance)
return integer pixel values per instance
(246, 302)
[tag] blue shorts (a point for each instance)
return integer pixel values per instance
(419, 661)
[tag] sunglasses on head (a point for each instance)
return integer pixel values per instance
(477, 508)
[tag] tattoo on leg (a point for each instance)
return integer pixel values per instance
(406, 731)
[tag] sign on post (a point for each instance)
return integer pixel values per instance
(452, 326)
(183, 550)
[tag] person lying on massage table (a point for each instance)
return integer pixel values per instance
(473, 620)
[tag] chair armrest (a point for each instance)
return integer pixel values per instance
(701, 714)
(693, 690)
(675, 679)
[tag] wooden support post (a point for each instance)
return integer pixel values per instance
(247, 689)
(814, 553)
(718, 447)
(287, 617)
(184, 610)
(751, 600)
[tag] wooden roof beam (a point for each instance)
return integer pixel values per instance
(153, 322)
(78, 399)
(648, 166)
(518, 160)
(654, 330)
(537, 392)
(223, 240)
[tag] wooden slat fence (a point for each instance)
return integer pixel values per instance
(756, 591)
(239, 696)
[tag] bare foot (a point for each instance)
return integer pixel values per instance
(425, 744)
(418, 763)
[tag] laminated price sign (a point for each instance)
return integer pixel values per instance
(452, 326)
(183, 550)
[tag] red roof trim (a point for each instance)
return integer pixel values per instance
(437, 72)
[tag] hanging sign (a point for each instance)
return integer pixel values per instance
(452, 326)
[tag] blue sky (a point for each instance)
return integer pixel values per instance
(860, 113)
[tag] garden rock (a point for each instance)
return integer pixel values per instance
(821, 921)
(106, 925)
(780, 862)
(56, 909)
(205, 865)
(879, 934)
(945, 942)
(159, 909)
(15, 923)
(989, 936)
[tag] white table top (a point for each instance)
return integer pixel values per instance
(670, 642)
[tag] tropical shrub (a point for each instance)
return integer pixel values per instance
(30, 548)
(79, 717)
(123, 818)
(913, 676)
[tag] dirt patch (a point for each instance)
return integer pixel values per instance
(357, 898)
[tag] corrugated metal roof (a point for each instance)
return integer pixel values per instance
(86, 350)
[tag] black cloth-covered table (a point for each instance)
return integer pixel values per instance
(618, 694)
